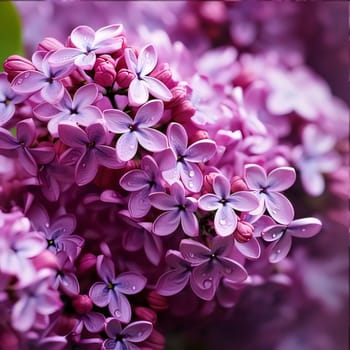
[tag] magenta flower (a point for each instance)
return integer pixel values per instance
(180, 161)
(46, 79)
(20, 146)
(143, 85)
(142, 182)
(111, 291)
(8, 100)
(267, 188)
(225, 220)
(176, 279)
(57, 232)
(138, 130)
(178, 209)
(34, 300)
(87, 44)
(125, 339)
(282, 235)
(90, 144)
(210, 265)
(78, 110)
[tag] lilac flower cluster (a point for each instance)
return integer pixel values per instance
(130, 186)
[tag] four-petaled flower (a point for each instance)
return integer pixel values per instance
(210, 265)
(178, 209)
(225, 220)
(79, 109)
(142, 85)
(180, 161)
(87, 44)
(282, 235)
(111, 291)
(46, 79)
(124, 339)
(138, 130)
(90, 145)
(142, 182)
(267, 188)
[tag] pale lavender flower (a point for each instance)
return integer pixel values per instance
(8, 100)
(180, 160)
(35, 299)
(87, 44)
(176, 279)
(178, 209)
(90, 144)
(57, 232)
(79, 109)
(143, 85)
(282, 235)
(45, 79)
(125, 339)
(142, 182)
(138, 130)
(225, 220)
(20, 146)
(267, 188)
(315, 157)
(210, 264)
(111, 291)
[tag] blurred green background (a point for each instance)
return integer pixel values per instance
(10, 31)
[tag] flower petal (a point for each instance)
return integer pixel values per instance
(64, 56)
(232, 270)
(94, 321)
(209, 202)
(139, 204)
(130, 283)
(158, 89)
(281, 178)
(200, 151)
(151, 139)
(166, 223)
(280, 249)
(153, 248)
(273, 233)
(137, 331)
(113, 328)
(85, 96)
(225, 221)
(204, 281)
(82, 37)
(162, 201)
(86, 168)
(138, 92)
(52, 92)
(221, 186)
(149, 114)
(177, 137)
(189, 223)
(305, 228)
(194, 252)
(119, 307)
(117, 121)
(172, 282)
(255, 176)
(243, 201)
(134, 180)
(250, 249)
(279, 207)
(147, 60)
(100, 294)
(28, 82)
(72, 135)
(191, 176)
(127, 146)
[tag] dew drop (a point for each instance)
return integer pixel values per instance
(191, 255)
(274, 235)
(47, 225)
(207, 284)
(190, 184)
(117, 313)
(84, 165)
(139, 334)
(19, 82)
(26, 75)
(278, 251)
(191, 173)
(222, 222)
(303, 230)
(274, 212)
(133, 287)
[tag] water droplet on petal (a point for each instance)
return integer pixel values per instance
(222, 222)
(190, 184)
(303, 230)
(191, 255)
(26, 75)
(191, 173)
(133, 287)
(207, 284)
(84, 165)
(117, 313)
(274, 235)
(19, 81)
(278, 251)
(274, 212)
(139, 334)
(47, 225)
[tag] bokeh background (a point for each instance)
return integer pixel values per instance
(313, 314)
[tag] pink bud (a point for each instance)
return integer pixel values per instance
(156, 301)
(244, 232)
(124, 77)
(8, 340)
(163, 73)
(15, 64)
(183, 112)
(105, 72)
(179, 93)
(155, 341)
(82, 304)
(86, 263)
(45, 259)
(198, 135)
(208, 182)
(238, 184)
(50, 44)
(146, 314)
(65, 324)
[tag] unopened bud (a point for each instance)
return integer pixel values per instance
(163, 73)
(146, 314)
(155, 341)
(82, 304)
(45, 259)
(125, 77)
(105, 73)
(208, 182)
(198, 135)
(8, 340)
(244, 232)
(156, 301)
(50, 44)
(15, 64)
(86, 263)
(238, 184)
(183, 112)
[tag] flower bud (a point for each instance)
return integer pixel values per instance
(124, 77)
(238, 184)
(8, 340)
(146, 314)
(156, 301)
(105, 73)
(45, 259)
(82, 304)
(15, 64)
(183, 112)
(86, 263)
(198, 135)
(50, 44)
(65, 324)
(244, 232)
(208, 182)
(155, 341)
(163, 73)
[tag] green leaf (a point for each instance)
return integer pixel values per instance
(10, 31)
